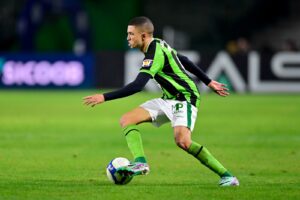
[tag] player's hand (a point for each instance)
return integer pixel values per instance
(93, 100)
(219, 88)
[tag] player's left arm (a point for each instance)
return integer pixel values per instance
(136, 86)
(217, 87)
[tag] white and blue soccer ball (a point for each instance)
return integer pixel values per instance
(112, 173)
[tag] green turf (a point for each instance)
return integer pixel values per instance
(53, 147)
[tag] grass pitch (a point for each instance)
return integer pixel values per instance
(53, 147)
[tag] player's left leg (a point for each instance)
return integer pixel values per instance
(182, 136)
(129, 122)
(149, 111)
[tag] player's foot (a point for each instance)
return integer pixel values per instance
(229, 181)
(134, 169)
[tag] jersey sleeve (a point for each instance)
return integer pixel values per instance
(194, 69)
(154, 59)
(136, 86)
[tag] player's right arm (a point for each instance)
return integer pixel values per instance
(217, 87)
(194, 69)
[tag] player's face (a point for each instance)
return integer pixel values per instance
(134, 37)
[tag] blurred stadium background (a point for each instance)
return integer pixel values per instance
(54, 52)
(252, 45)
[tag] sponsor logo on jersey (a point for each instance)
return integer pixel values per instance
(147, 63)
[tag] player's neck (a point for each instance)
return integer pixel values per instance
(146, 44)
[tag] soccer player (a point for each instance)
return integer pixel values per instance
(178, 104)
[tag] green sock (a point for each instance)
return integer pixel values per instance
(205, 157)
(134, 141)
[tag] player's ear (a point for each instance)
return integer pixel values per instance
(143, 36)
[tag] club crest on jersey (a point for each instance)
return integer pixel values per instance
(147, 63)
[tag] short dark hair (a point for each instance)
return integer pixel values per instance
(137, 21)
(143, 22)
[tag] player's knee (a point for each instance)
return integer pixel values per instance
(182, 143)
(182, 137)
(125, 121)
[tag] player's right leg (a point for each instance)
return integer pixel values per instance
(129, 122)
(183, 123)
(183, 139)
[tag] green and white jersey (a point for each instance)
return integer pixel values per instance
(162, 63)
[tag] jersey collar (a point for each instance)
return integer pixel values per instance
(149, 45)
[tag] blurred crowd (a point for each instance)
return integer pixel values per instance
(67, 25)
(242, 46)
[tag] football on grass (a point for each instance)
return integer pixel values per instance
(112, 173)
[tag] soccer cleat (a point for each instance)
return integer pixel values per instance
(134, 169)
(229, 181)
